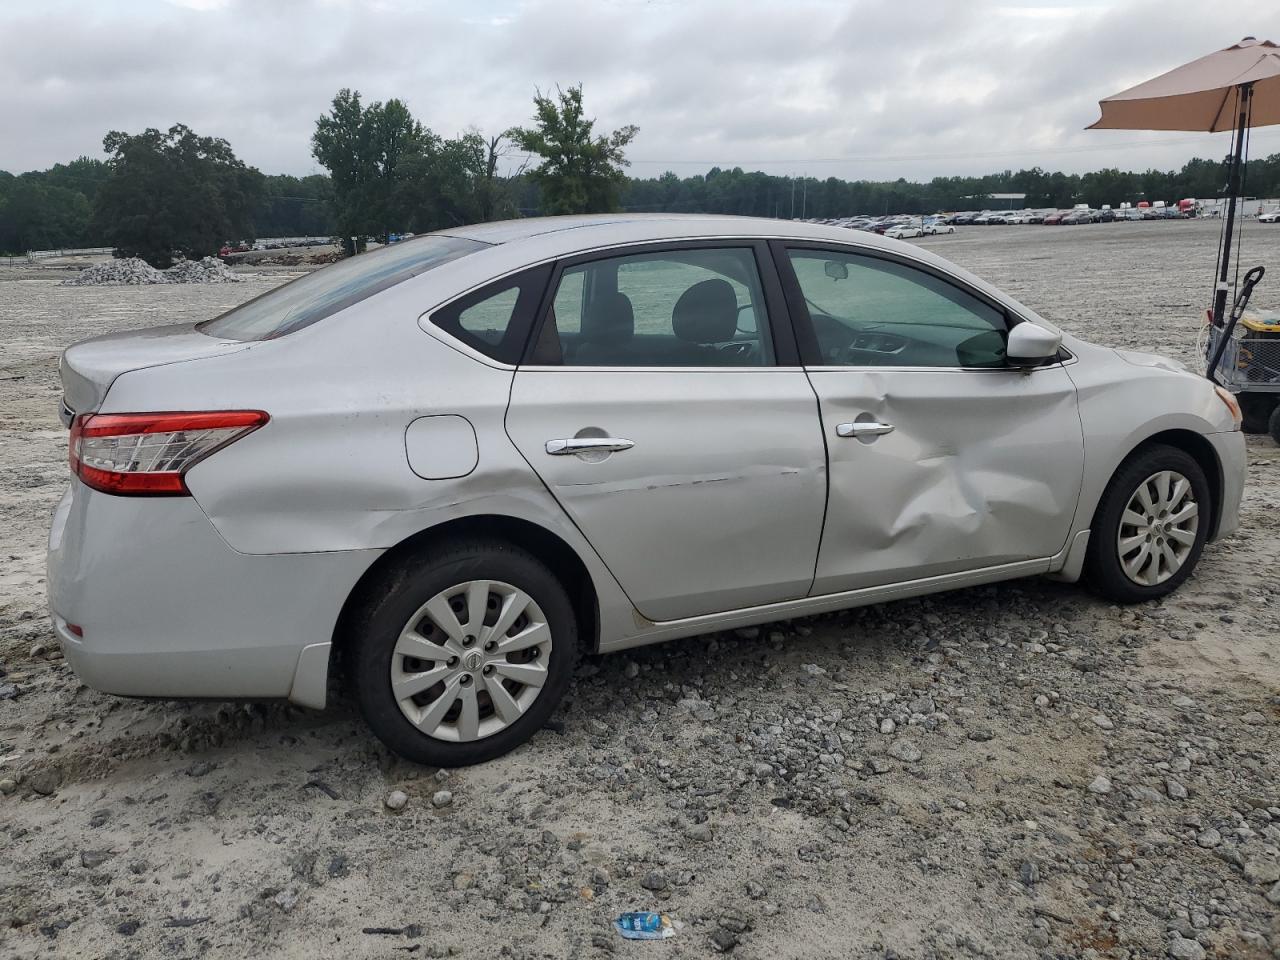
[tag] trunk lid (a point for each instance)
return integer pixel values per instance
(88, 368)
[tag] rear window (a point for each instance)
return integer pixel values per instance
(330, 289)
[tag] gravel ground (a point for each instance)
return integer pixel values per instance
(1011, 771)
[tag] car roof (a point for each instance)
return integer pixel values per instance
(516, 244)
(604, 229)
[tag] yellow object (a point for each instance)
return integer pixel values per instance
(1261, 321)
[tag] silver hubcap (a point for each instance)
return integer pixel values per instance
(471, 661)
(1158, 528)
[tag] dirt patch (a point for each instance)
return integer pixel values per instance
(1012, 771)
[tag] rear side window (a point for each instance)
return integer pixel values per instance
(495, 320)
(330, 289)
(701, 307)
(489, 319)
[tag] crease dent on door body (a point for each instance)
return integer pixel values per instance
(954, 491)
(608, 487)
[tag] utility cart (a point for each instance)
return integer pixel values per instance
(1243, 355)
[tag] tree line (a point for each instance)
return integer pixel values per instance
(163, 193)
(754, 193)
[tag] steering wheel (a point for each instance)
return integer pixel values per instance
(737, 349)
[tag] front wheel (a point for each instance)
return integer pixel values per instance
(464, 653)
(1274, 424)
(1150, 527)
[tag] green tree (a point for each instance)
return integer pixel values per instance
(580, 172)
(84, 175)
(296, 207)
(371, 153)
(390, 173)
(173, 193)
(492, 193)
(37, 215)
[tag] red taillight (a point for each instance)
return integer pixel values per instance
(147, 454)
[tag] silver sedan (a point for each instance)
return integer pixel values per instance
(437, 473)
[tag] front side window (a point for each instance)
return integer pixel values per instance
(680, 308)
(868, 311)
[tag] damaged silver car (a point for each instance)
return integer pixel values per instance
(438, 473)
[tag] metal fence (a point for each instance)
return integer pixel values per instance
(31, 256)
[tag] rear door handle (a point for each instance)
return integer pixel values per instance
(563, 448)
(863, 428)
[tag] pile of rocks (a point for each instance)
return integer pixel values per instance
(128, 271)
(131, 271)
(208, 270)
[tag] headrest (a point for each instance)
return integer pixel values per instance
(706, 313)
(610, 319)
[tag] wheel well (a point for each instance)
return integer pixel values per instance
(542, 543)
(1202, 452)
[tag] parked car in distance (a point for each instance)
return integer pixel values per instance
(1055, 218)
(888, 224)
(1077, 216)
(904, 231)
(1106, 216)
(1272, 216)
(931, 229)
(585, 434)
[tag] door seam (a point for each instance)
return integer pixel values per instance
(826, 503)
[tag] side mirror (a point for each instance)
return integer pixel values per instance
(1030, 345)
(836, 270)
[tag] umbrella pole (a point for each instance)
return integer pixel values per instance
(1233, 188)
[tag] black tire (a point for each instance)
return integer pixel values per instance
(1274, 425)
(390, 607)
(1103, 568)
(1256, 411)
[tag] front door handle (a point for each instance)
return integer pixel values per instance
(863, 428)
(563, 448)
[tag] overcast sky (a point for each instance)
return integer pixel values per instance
(871, 89)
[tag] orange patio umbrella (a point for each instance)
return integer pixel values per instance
(1234, 89)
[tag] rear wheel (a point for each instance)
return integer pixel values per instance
(1274, 425)
(464, 654)
(1150, 526)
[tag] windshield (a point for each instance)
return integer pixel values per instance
(326, 291)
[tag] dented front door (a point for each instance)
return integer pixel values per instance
(946, 470)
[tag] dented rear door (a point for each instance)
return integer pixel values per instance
(674, 432)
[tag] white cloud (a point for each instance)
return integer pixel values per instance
(868, 88)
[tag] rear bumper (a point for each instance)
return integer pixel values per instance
(1231, 453)
(167, 609)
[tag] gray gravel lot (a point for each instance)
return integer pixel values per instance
(1010, 771)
